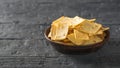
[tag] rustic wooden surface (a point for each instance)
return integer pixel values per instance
(23, 45)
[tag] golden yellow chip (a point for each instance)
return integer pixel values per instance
(81, 35)
(76, 20)
(49, 35)
(100, 32)
(92, 20)
(62, 20)
(74, 40)
(77, 31)
(93, 40)
(53, 32)
(88, 42)
(70, 31)
(105, 28)
(59, 19)
(88, 27)
(97, 38)
(102, 36)
(59, 28)
(61, 32)
(66, 40)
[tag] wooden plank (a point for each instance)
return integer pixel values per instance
(19, 31)
(22, 48)
(105, 11)
(22, 42)
(22, 62)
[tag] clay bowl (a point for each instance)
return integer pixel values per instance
(66, 48)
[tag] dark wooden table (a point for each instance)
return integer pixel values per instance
(23, 45)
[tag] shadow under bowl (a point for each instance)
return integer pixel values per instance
(74, 49)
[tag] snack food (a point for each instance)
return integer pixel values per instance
(77, 30)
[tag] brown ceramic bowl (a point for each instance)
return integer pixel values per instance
(68, 49)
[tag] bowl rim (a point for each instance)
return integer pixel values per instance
(71, 45)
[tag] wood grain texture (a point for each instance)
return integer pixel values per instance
(22, 41)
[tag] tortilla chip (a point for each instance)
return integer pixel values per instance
(105, 28)
(74, 40)
(77, 31)
(93, 39)
(76, 20)
(59, 28)
(92, 20)
(49, 35)
(102, 36)
(66, 40)
(100, 32)
(70, 31)
(88, 27)
(59, 19)
(81, 35)
(53, 32)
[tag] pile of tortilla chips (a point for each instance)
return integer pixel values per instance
(77, 30)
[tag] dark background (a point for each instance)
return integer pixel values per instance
(23, 45)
